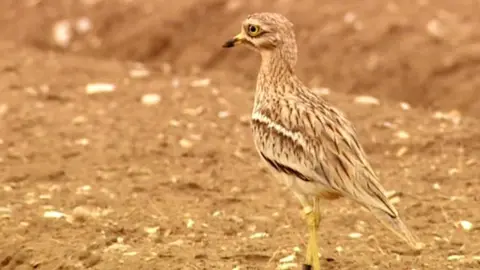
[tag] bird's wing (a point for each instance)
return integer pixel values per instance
(318, 143)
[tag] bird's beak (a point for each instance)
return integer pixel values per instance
(234, 41)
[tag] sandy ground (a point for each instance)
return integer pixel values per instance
(103, 181)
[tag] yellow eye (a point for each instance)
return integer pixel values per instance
(253, 30)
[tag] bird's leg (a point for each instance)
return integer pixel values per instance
(316, 209)
(312, 217)
(313, 220)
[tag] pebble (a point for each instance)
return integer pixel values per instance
(223, 114)
(200, 83)
(287, 266)
(139, 73)
(83, 25)
(401, 134)
(355, 235)
(435, 28)
(82, 141)
(405, 106)
(367, 100)
(151, 230)
(151, 99)
(466, 225)
(79, 120)
(62, 33)
(455, 257)
(321, 91)
(190, 223)
(289, 258)
(184, 143)
(259, 235)
(53, 214)
(97, 88)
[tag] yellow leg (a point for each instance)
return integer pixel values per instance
(312, 216)
(313, 219)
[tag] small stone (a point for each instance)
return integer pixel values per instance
(45, 196)
(453, 116)
(405, 106)
(217, 213)
(178, 242)
(436, 186)
(79, 120)
(184, 143)
(435, 28)
(83, 25)
(452, 171)
(190, 223)
(53, 214)
(349, 17)
(367, 100)
(321, 91)
(466, 225)
(258, 235)
(200, 83)
(194, 111)
(62, 33)
(391, 193)
(118, 247)
(84, 189)
(287, 266)
(339, 249)
(401, 134)
(287, 259)
(245, 119)
(139, 73)
(401, 151)
(394, 200)
(151, 230)
(235, 189)
(174, 123)
(355, 235)
(5, 212)
(236, 219)
(223, 114)
(97, 88)
(82, 141)
(151, 99)
(455, 257)
(3, 109)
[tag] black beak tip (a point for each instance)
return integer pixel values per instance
(229, 44)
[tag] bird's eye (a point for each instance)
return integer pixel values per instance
(253, 30)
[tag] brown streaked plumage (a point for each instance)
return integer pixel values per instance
(304, 140)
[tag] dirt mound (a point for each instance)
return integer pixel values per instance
(422, 52)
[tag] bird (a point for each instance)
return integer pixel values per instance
(304, 140)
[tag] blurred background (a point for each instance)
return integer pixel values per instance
(125, 139)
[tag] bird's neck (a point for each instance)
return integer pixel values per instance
(276, 62)
(274, 69)
(275, 76)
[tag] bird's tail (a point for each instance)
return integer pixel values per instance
(396, 225)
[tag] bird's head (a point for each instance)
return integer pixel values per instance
(265, 33)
